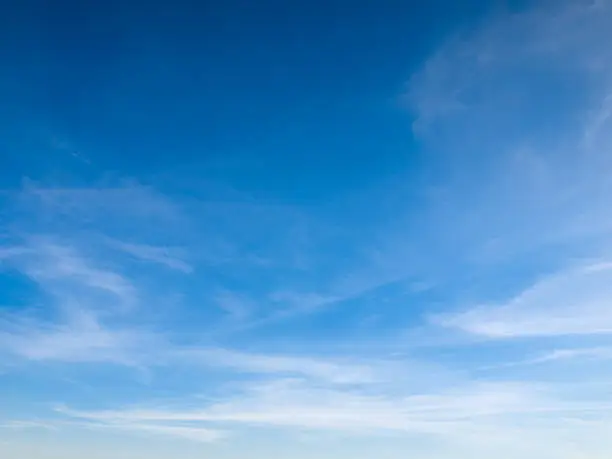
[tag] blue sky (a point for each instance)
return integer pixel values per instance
(306, 229)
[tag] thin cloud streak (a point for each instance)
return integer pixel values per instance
(576, 302)
(165, 256)
(322, 369)
(84, 341)
(291, 404)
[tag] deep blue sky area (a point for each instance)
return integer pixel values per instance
(310, 87)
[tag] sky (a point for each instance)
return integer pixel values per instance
(309, 230)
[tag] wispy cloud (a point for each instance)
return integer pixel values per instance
(80, 297)
(78, 340)
(198, 434)
(501, 55)
(515, 175)
(576, 302)
(95, 204)
(557, 356)
(170, 257)
(321, 369)
(590, 353)
(60, 270)
(494, 410)
(235, 305)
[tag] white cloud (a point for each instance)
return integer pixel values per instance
(577, 302)
(167, 256)
(478, 413)
(96, 204)
(508, 50)
(60, 271)
(555, 357)
(235, 305)
(30, 424)
(291, 403)
(590, 353)
(523, 151)
(78, 298)
(80, 339)
(327, 370)
(198, 434)
(80, 329)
